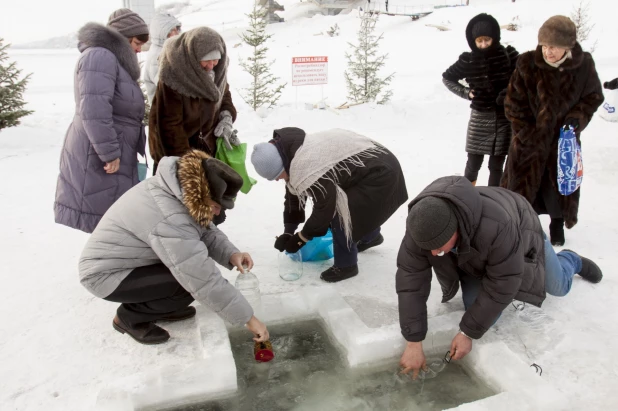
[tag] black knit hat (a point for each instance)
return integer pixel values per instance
(223, 181)
(482, 25)
(432, 223)
(482, 28)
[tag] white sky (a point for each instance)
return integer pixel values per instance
(22, 21)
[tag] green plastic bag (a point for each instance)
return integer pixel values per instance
(235, 158)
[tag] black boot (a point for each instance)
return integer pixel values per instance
(590, 270)
(335, 274)
(556, 232)
(179, 315)
(145, 333)
(375, 242)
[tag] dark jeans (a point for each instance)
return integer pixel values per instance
(149, 293)
(496, 165)
(344, 256)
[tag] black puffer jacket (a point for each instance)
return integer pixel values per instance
(374, 191)
(500, 242)
(487, 73)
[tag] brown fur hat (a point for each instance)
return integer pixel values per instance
(196, 188)
(558, 31)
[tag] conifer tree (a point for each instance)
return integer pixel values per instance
(11, 91)
(362, 77)
(264, 90)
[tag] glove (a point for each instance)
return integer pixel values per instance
(281, 241)
(501, 97)
(571, 122)
(611, 85)
(294, 243)
(219, 219)
(225, 130)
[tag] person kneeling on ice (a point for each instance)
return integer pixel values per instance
(155, 250)
(355, 184)
(490, 241)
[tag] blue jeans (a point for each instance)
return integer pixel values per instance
(559, 272)
(344, 256)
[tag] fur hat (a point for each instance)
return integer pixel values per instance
(201, 178)
(558, 31)
(431, 223)
(128, 23)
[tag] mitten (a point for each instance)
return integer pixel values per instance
(294, 243)
(281, 241)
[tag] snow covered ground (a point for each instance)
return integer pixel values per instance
(57, 346)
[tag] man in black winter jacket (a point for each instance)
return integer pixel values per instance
(490, 241)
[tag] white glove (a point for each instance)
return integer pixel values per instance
(225, 130)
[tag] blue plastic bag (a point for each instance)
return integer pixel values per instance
(570, 164)
(142, 171)
(318, 249)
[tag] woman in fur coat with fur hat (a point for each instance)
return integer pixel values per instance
(554, 86)
(192, 105)
(98, 162)
(487, 70)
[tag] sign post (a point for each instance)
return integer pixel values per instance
(309, 71)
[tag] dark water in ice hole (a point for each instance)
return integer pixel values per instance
(308, 373)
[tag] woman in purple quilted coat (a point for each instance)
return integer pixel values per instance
(98, 162)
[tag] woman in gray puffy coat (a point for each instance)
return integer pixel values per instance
(487, 70)
(98, 162)
(162, 27)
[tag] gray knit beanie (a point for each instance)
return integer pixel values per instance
(213, 55)
(267, 161)
(431, 222)
(128, 23)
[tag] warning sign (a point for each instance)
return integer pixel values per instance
(309, 71)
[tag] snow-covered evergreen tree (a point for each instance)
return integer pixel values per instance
(362, 77)
(264, 90)
(11, 91)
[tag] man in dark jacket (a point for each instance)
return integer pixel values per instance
(355, 185)
(488, 239)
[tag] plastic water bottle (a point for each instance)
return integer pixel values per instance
(249, 286)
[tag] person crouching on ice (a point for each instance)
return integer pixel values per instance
(155, 249)
(490, 241)
(355, 184)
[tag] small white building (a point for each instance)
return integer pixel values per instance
(145, 8)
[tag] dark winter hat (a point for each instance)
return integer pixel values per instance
(267, 161)
(482, 28)
(128, 23)
(223, 182)
(431, 222)
(482, 25)
(558, 31)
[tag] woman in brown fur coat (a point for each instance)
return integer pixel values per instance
(192, 105)
(554, 86)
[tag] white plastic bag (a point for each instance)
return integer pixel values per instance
(609, 109)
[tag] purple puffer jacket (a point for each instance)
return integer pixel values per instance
(109, 108)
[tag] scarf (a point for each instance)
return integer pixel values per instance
(180, 67)
(327, 154)
(557, 64)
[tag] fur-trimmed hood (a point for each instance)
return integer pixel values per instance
(97, 35)
(194, 186)
(180, 68)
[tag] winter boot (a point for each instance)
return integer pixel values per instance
(362, 246)
(144, 333)
(179, 315)
(336, 274)
(556, 232)
(590, 271)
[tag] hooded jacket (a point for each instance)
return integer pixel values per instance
(160, 27)
(501, 243)
(166, 219)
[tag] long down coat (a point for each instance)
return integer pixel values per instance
(540, 98)
(487, 73)
(109, 109)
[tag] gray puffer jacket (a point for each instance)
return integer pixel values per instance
(155, 222)
(501, 243)
(160, 27)
(107, 125)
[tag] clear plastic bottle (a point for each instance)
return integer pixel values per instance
(249, 286)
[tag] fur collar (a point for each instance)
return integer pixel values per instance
(180, 64)
(576, 60)
(195, 188)
(97, 35)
